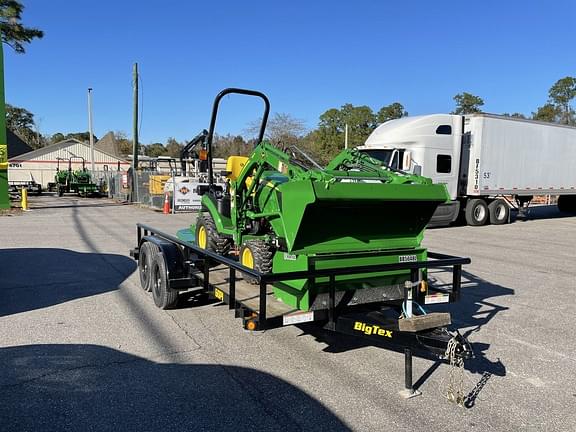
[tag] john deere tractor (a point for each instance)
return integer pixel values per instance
(281, 211)
(74, 181)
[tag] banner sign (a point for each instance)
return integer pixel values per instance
(186, 198)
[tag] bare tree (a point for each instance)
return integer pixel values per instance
(282, 129)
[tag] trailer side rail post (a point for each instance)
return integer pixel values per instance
(206, 273)
(332, 303)
(456, 281)
(232, 294)
(263, 299)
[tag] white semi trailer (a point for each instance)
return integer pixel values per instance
(484, 160)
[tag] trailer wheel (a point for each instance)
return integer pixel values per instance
(257, 255)
(476, 212)
(163, 297)
(499, 212)
(208, 237)
(145, 257)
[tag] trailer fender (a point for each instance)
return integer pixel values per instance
(172, 256)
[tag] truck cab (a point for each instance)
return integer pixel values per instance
(428, 145)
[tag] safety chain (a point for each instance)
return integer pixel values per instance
(455, 391)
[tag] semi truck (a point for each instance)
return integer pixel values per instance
(489, 163)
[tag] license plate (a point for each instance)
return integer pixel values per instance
(297, 318)
(437, 298)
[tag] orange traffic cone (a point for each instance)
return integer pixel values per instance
(166, 208)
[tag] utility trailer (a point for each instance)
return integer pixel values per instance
(278, 244)
(15, 186)
(169, 265)
(489, 163)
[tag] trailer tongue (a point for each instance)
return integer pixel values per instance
(288, 241)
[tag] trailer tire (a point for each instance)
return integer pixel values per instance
(257, 255)
(145, 256)
(163, 296)
(499, 212)
(476, 212)
(211, 240)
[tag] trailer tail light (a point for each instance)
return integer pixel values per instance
(251, 325)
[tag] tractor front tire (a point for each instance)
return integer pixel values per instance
(145, 256)
(163, 296)
(256, 255)
(208, 237)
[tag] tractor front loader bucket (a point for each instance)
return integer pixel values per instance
(323, 217)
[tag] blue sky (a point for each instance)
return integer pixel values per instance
(308, 56)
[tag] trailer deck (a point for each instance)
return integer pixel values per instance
(247, 294)
(180, 265)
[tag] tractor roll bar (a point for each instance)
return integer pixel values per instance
(215, 114)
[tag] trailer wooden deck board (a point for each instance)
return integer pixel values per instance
(247, 293)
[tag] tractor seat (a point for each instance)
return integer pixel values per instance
(234, 166)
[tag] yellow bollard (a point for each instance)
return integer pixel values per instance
(24, 193)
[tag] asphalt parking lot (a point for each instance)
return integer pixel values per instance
(82, 347)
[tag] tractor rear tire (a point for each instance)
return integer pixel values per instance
(145, 257)
(499, 212)
(164, 297)
(211, 240)
(476, 212)
(257, 255)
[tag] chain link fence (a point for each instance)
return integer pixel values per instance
(148, 187)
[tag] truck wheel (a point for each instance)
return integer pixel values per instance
(208, 237)
(499, 212)
(257, 255)
(145, 257)
(476, 212)
(163, 297)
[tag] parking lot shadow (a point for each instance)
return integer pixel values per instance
(34, 278)
(542, 212)
(90, 387)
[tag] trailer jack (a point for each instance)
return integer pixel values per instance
(457, 350)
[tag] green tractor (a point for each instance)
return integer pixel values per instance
(280, 211)
(75, 181)
(62, 179)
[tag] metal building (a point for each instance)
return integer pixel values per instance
(41, 164)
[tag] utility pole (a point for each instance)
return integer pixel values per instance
(4, 197)
(134, 194)
(135, 126)
(90, 129)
